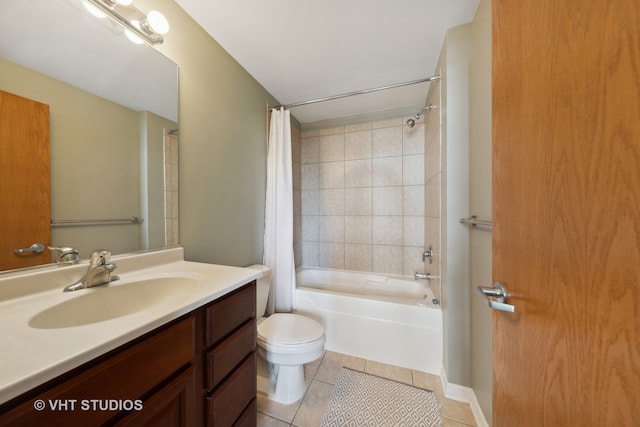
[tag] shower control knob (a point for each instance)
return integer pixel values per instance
(428, 254)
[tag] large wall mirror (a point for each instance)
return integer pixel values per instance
(113, 120)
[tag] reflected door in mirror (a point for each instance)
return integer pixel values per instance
(25, 188)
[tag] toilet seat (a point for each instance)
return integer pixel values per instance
(289, 332)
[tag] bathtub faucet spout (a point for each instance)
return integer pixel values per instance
(425, 276)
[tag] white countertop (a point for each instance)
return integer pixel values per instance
(30, 356)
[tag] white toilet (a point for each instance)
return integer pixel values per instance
(286, 341)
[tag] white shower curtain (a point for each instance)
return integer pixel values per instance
(278, 218)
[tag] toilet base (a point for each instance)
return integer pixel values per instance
(281, 383)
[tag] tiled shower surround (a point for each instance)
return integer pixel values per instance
(171, 190)
(360, 197)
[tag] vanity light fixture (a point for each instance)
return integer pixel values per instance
(155, 23)
(132, 37)
(94, 10)
(138, 27)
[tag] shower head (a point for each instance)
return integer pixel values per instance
(411, 122)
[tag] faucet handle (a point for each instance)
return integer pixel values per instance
(99, 257)
(66, 254)
(428, 254)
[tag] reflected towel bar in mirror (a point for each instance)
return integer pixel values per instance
(89, 222)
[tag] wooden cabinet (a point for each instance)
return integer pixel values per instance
(199, 369)
(229, 401)
(230, 375)
(170, 406)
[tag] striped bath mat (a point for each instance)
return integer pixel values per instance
(360, 399)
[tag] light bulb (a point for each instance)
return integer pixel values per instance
(157, 22)
(115, 3)
(94, 10)
(133, 37)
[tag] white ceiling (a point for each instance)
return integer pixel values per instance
(301, 50)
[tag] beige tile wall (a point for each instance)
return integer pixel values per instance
(171, 193)
(362, 197)
(297, 201)
(433, 174)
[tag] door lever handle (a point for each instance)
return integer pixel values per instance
(35, 248)
(497, 297)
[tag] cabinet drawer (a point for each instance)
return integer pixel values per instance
(249, 417)
(228, 314)
(229, 353)
(124, 376)
(229, 401)
(171, 406)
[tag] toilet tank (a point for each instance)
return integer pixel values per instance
(262, 288)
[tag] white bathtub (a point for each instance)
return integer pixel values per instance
(389, 319)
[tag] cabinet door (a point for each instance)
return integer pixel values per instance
(127, 375)
(171, 406)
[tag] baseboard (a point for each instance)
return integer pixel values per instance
(481, 421)
(463, 394)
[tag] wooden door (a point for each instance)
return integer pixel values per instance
(25, 189)
(566, 188)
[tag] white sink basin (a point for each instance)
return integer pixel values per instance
(101, 303)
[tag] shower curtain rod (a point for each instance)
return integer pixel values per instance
(359, 92)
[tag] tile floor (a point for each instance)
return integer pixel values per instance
(322, 375)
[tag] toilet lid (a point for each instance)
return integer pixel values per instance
(290, 328)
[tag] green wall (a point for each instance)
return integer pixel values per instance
(480, 204)
(95, 165)
(222, 122)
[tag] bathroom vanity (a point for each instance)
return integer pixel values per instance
(191, 362)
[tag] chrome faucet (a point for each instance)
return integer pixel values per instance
(99, 272)
(425, 276)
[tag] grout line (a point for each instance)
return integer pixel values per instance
(301, 401)
(325, 382)
(274, 417)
